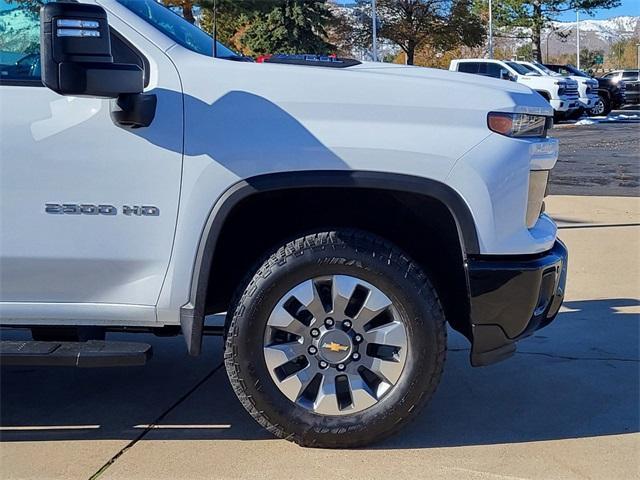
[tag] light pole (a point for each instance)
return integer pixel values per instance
(374, 31)
(490, 29)
(547, 42)
(638, 45)
(578, 38)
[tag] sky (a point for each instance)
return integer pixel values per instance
(627, 7)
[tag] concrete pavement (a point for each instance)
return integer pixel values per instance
(566, 406)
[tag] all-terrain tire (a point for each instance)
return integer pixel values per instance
(343, 252)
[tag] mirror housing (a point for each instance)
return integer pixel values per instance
(505, 75)
(75, 52)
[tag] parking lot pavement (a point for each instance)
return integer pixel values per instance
(566, 406)
(598, 159)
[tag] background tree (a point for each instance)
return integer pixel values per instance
(292, 26)
(412, 24)
(588, 59)
(234, 17)
(535, 15)
(624, 53)
(186, 6)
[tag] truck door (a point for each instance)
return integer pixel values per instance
(87, 209)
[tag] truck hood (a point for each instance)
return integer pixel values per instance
(438, 80)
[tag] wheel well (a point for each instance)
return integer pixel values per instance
(546, 95)
(604, 92)
(421, 225)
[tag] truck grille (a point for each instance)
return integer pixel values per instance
(571, 91)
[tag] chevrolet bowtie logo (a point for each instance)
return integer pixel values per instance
(335, 347)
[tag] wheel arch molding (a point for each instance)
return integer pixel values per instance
(193, 312)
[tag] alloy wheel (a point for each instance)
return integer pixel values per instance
(335, 345)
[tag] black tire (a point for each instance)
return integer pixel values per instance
(602, 107)
(374, 260)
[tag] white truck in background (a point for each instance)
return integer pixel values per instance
(339, 215)
(587, 87)
(561, 94)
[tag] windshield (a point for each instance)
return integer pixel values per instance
(177, 28)
(545, 69)
(521, 69)
(576, 72)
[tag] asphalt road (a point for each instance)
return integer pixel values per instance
(599, 159)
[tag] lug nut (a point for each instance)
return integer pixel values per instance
(323, 364)
(341, 366)
(315, 332)
(357, 338)
(329, 322)
(313, 350)
(356, 356)
(346, 324)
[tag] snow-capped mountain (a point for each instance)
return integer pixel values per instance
(594, 34)
(612, 29)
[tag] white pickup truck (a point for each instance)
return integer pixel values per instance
(337, 213)
(587, 87)
(561, 94)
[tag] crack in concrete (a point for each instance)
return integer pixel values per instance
(150, 427)
(564, 357)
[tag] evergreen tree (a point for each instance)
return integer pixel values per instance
(291, 26)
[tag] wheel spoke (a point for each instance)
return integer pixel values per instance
(278, 354)
(362, 395)
(389, 371)
(392, 334)
(326, 402)
(307, 294)
(295, 384)
(375, 304)
(280, 319)
(342, 290)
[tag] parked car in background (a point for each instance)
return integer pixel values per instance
(631, 80)
(561, 94)
(587, 87)
(611, 94)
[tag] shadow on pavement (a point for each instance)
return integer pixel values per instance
(580, 377)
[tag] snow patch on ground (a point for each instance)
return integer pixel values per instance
(621, 117)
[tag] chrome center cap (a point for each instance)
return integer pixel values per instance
(335, 346)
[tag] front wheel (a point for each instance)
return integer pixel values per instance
(601, 108)
(336, 341)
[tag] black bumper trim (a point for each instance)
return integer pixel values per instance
(512, 298)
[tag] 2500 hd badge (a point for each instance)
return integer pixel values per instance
(92, 209)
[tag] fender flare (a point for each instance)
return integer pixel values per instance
(192, 313)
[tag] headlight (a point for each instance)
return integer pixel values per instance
(519, 124)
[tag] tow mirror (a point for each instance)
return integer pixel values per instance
(75, 51)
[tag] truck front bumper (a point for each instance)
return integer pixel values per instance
(512, 297)
(589, 101)
(564, 104)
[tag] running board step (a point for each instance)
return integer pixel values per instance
(94, 353)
